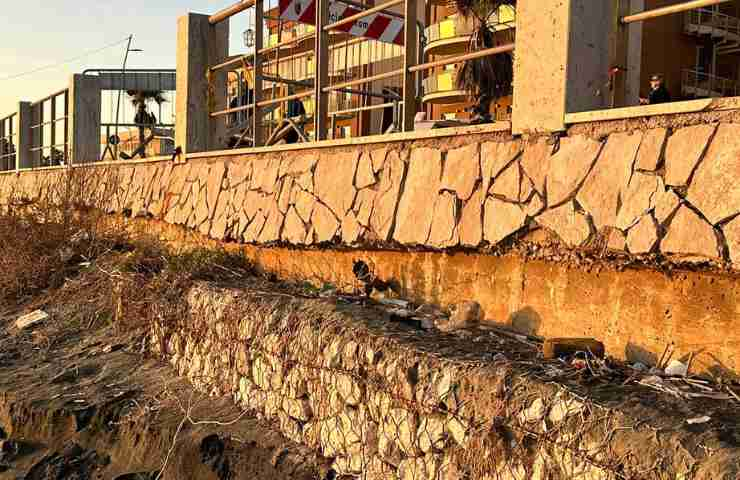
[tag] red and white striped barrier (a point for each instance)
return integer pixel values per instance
(378, 26)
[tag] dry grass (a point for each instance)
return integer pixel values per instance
(61, 256)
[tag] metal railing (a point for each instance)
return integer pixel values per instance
(670, 10)
(699, 85)
(49, 130)
(715, 23)
(8, 142)
(323, 82)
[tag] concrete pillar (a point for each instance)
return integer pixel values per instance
(83, 127)
(199, 46)
(24, 120)
(561, 63)
(634, 56)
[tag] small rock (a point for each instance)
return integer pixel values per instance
(640, 367)
(31, 319)
(464, 314)
(698, 420)
(534, 413)
(676, 368)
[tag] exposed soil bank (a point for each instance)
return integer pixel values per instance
(80, 403)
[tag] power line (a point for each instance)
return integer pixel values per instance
(64, 62)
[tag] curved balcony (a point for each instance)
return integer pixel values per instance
(440, 89)
(715, 24)
(448, 37)
(452, 35)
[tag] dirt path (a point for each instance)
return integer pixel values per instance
(78, 403)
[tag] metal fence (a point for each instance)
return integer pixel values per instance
(701, 85)
(333, 71)
(8, 142)
(49, 130)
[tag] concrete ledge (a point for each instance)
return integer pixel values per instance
(690, 106)
(496, 127)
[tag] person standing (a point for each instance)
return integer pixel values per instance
(658, 92)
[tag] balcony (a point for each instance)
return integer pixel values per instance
(448, 37)
(703, 85)
(717, 25)
(439, 88)
(452, 35)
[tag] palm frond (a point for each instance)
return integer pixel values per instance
(144, 96)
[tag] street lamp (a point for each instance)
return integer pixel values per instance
(123, 82)
(248, 37)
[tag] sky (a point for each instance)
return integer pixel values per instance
(37, 33)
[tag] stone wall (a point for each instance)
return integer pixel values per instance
(653, 197)
(640, 192)
(383, 402)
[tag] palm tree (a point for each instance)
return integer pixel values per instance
(486, 78)
(143, 118)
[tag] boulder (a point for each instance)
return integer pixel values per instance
(637, 199)
(387, 199)
(569, 167)
(569, 225)
(535, 163)
(714, 189)
(683, 152)
(444, 231)
(414, 218)
(642, 237)
(507, 184)
(501, 219)
(651, 149)
(334, 181)
(365, 176)
(465, 314)
(462, 170)
(471, 225)
(601, 191)
(690, 235)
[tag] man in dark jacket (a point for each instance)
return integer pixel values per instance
(658, 92)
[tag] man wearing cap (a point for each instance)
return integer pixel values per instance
(658, 92)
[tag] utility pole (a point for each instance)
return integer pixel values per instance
(123, 81)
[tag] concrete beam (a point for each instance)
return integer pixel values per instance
(540, 66)
(85, 105)
(24, 120)
(200, 45)
(138, 80)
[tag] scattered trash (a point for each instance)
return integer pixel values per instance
(500, 357)
(394, 302)
(465, 314)
(640, 367)
(112, 348)
(676, 369)
(31, 319)
(698, 420)
(563, 347)
(579, 363)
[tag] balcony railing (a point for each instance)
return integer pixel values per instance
(702, 21)
(8, 142)
(452, 34)
(441, 88)
(699, 84)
